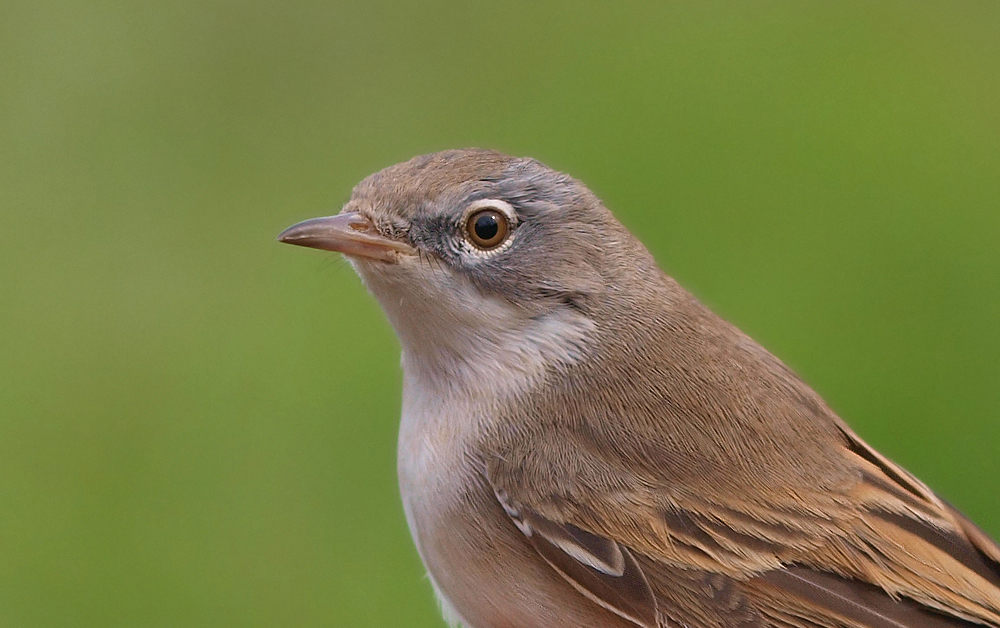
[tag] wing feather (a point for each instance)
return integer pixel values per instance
(888, 553)
(596, 566)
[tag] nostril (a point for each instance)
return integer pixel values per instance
(357, 222)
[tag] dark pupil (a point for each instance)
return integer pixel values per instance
(486, 227)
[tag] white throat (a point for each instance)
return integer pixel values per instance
(457, 343)
(464, 356)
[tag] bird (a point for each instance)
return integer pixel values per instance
(584, 444)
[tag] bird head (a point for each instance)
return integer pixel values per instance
(483, 262)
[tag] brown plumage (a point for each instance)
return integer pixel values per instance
(584, 444)
(756, 493)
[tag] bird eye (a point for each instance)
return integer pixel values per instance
(487, 228)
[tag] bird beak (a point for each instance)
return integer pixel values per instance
(349, 233)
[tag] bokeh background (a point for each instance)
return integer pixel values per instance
(197, 424)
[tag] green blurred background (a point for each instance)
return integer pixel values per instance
(197, 425)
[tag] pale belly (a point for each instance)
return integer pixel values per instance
(484, 570)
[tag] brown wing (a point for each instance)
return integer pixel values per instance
(884, 552)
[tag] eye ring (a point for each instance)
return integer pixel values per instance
(487, 228)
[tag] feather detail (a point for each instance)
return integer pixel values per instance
(596, 566)
(883, 552)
